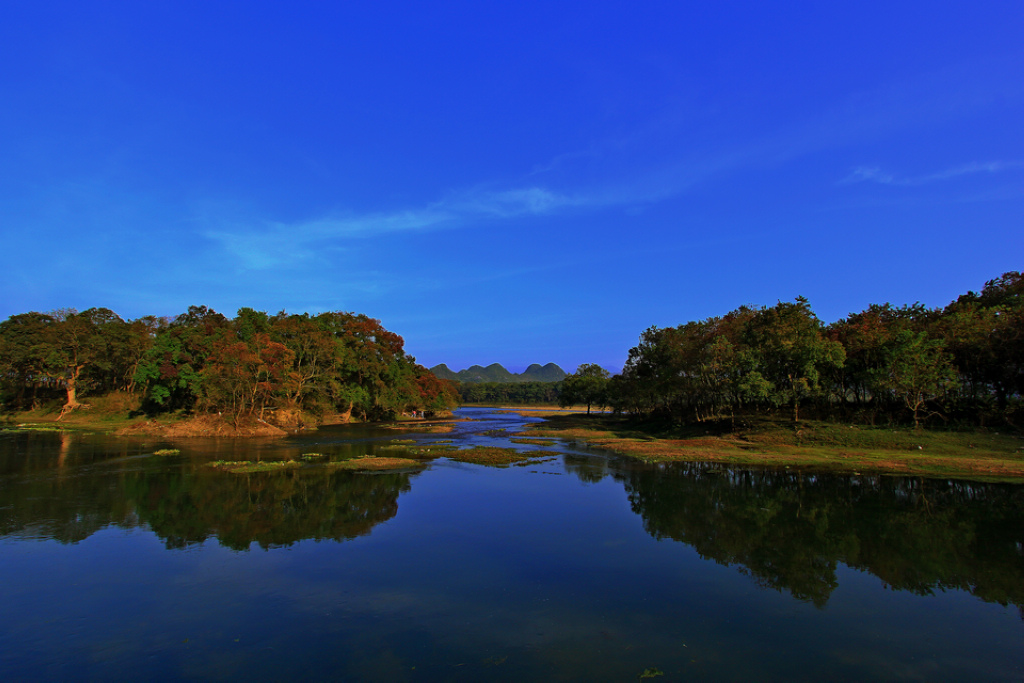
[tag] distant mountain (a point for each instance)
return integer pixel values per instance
(543, 373)
(492, 373)
(495, 372)
(442, 371)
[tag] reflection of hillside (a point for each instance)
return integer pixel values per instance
(271, 509)
(789, 531)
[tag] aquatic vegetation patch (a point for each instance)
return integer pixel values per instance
(251, 466)
(533, 441)
(423, 427)
(312, 456)
(402, 441)
(371, 463)
(430, 451)
(393, 447)
(549, 455)
(28, 427)
(495, 457)
(167, 451)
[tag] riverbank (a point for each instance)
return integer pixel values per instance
(115, 418)
(976, 455)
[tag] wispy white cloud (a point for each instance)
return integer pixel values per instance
(509, 203)
(876, 175)
(867, 174)
(987, 167)
(269, 244)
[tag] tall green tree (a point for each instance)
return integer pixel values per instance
(24, 348)
(75, 343)
(792, 351)
(172, 368)
(917, 370)
(588, 385)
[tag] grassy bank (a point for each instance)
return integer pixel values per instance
(100, 413)
(118, 414)
(822, 446)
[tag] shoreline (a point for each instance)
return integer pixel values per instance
(195, 426)
(975, 455)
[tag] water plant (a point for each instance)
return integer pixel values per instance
(373, 463)
(430, 451)
(28, 427)
(495, 457)
(534, 441)
(393, 447)
(167, 451)
(249, 466)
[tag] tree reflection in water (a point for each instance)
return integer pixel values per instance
(271, 509)
(789, 530)
(185, 502)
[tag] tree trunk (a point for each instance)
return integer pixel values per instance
(72, 401)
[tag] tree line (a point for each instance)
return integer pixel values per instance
(509, 392)
(962, 364)
(252, 366)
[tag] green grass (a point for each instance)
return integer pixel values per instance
(167, 451)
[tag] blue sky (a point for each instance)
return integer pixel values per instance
(538, 182)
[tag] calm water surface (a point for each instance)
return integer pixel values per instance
(119, 564)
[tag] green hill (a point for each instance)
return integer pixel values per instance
(545, 373)
(495, 372)
(442, 371)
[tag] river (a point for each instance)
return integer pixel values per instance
(116, 564)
